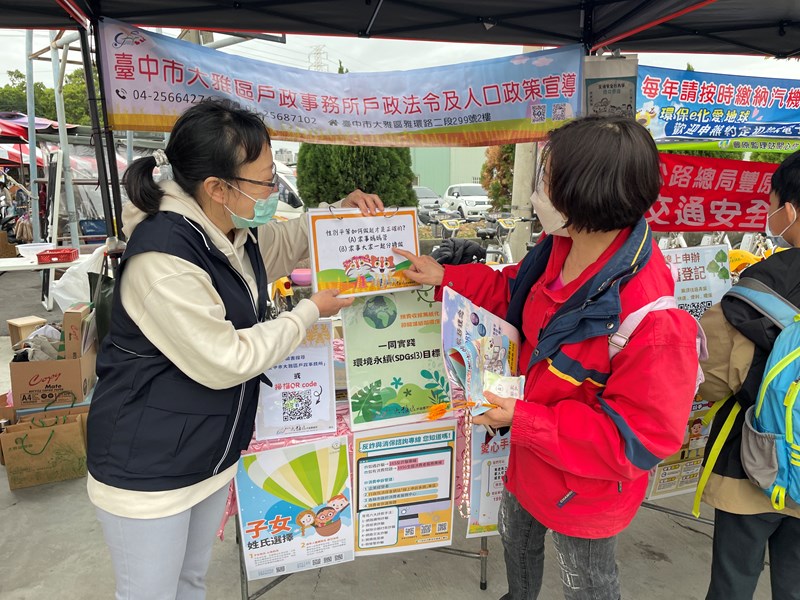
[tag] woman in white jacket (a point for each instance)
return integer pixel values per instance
(180, 370)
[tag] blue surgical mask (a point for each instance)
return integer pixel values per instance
(262, 214)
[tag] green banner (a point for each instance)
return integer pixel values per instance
(737, 145)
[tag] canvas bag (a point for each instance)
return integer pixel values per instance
(43, 451)
(770, 448)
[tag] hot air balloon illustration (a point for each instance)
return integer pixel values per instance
(308, 477)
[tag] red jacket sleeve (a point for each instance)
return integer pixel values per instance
(638, 419)
(483, 285)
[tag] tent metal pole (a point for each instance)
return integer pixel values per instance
(72, 215)
(97, 138)
(31, 108)
(587, 25)
(111, 151)
(129, 147)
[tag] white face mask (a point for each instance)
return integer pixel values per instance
(768, 230)
(553, 222)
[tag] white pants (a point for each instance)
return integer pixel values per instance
(167, 558)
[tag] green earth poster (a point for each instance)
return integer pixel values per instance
(393, 359)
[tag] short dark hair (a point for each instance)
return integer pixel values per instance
(603, 172)
(213, 138)
(786, 180)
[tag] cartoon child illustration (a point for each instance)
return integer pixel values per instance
(338, 503)
(324, 516)
(325, 523)
(696, 437)
(305, 520)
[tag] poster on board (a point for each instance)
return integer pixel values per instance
(680, 473)
(703, 276)
(295, 508)
(405, 483)
(393, 359)
(302, 398)
(354, 255)
(489, 461)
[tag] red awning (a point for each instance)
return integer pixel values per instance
(12, 133)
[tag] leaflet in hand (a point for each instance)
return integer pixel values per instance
(481, 351)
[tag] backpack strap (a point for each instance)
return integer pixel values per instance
(714, 453)
(765, 300)
(618, 340)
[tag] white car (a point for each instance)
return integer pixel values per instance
(290, 204)
(469, 199)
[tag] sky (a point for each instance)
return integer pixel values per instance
(366, 55)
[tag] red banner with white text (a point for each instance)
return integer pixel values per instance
(711, 194)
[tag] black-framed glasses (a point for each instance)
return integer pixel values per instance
(271, 183)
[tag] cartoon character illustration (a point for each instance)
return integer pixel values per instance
(648, 117)
(358, 267)
(324, 515)
(495, 354)
(644, 117)
(338, 503)
(305, 520)
(382, 270)
(697, 439)
(325, 523)
(601, 107)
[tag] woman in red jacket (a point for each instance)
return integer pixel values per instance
(590, 426)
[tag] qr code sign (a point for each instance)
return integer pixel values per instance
(408, 531)
(425, 529)
(559, 111)
(297, 405)
(696, 309)
(538, 113)
(441, 527)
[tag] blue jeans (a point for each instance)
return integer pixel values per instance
(588, 567)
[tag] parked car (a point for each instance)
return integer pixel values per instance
(469, 199)
(430, 216)
(427, 197)
(290, 204)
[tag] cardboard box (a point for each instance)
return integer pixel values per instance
(77, 319)
(54, 383)
(22, 327)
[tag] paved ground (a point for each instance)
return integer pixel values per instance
(52, 546)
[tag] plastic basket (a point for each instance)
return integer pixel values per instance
(57, 255)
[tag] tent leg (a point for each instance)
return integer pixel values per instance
(34, 203)
(111, 151)
(97, 138)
